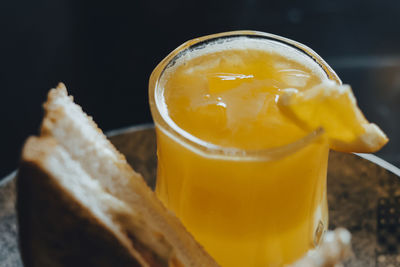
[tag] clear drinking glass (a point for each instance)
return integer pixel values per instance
(259, 207)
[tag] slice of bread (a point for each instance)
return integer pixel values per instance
(81, 204)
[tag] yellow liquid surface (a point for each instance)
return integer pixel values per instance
(245, 213)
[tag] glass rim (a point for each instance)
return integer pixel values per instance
(211, 150)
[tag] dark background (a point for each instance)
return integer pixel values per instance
(104, 51)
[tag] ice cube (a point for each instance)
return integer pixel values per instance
(201, 67)
(219, 82)
(294, 78)
(205, 100)
(231, 59)
(243, 105)
(279, 65)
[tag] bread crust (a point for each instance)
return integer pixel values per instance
(159, 228)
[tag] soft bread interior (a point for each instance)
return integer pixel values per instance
(79, 135)
(69, 175)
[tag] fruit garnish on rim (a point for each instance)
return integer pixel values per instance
(334, 108)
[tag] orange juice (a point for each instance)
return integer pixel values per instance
(247, 182)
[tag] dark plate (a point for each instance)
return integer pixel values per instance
(363, 196)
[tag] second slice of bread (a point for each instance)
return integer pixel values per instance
(65, 217)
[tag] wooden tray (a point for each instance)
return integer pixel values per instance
(363, 196)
